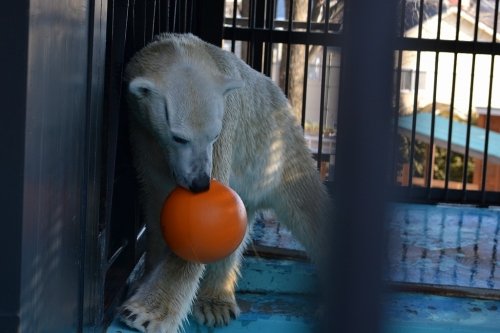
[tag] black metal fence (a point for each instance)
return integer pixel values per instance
(447, 128)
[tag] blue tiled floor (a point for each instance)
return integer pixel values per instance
(445, 245)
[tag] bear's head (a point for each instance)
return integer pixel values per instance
(182, 107)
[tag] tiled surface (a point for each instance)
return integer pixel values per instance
(445, 245)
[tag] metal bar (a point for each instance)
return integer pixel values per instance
(233, 41)
(281, 36)
(495, 23)
(14, 36)
(157, 27)
(150, 14)
(397, 94)
(185, 16)
(327, 15)
(364, 128)
(430, 164)
(415, 99)
(209, 17)
(257, 42)
(174, 18)
(414, 122)
(191, 15)
(289, 48)
(450, 46)
(420, 19)
(476, 21)
(322, 107)
(469, 114)
(439, 195)
(283, 24)
(304, 86)
(487, 129)
(459, 14)
(309, 19)
(469, 124)
(450, 126)
(440, 17)
(269, 25)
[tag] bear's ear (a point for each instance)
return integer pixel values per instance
(227, 84)
(141, 87)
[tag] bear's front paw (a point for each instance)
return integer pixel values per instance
(152, 319)
(215, 311)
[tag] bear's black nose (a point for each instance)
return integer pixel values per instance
(200, 184)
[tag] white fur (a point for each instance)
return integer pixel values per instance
(229, 122)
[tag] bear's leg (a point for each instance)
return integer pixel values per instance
(164, 299)
(301, 205)
(215, 303)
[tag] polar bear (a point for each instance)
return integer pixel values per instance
(199, 112)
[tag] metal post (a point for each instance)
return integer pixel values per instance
(362, 175)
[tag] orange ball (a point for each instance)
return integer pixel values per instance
(204, 227)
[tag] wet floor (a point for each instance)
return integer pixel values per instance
(430, 244)
(445, 245)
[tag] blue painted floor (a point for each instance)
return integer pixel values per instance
(436, 245)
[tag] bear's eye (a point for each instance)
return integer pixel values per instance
(180, 140)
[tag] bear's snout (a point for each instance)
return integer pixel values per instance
(200, 184)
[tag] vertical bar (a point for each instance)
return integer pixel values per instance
(268, 53)
(364, 128)
(150, 19)
(191, 15)
(304, 87)
(415, 97)
(173, 14)
(185, 26)
(487, 134)
(430, 160)
(430, 164)
(306, 66)
(469, 123)
(323, 88)
(414, 121)
(459, 14)
(469, 113)
(495, 23)
(210, 21)
(257, 21)
(440, 17)
(233, 39)
(322, 107)
(450, 127)
(14, 35)
(397, 93)
(488, 113)
(289, 48)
